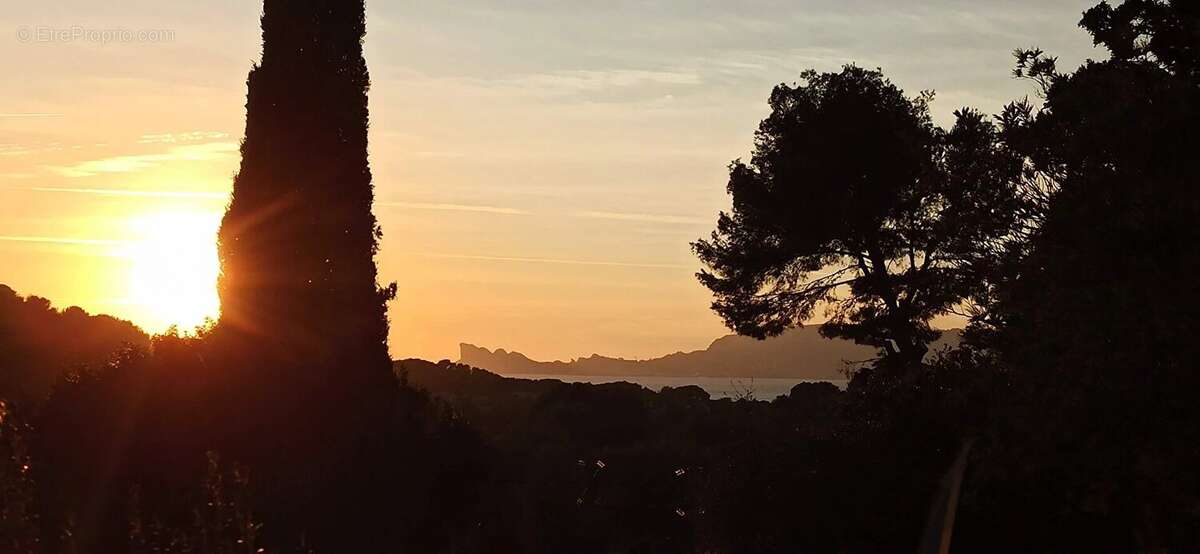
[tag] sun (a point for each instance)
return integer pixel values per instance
(173, 271)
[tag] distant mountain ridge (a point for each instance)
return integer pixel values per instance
(798, 353)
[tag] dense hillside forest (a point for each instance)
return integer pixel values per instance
(39, 343)
(1062, 228)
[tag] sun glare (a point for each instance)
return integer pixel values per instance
(173, 276)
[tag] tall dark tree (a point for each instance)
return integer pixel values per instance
(302, 313)
(854, 200)
(1094, 324)
(298, 241)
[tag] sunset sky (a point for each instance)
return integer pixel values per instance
(540, 167)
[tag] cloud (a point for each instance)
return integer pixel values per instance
(595, 84)
(564, 261)
(14, 150)
(192, 136)
(62, 240)
(142, 193)
(618, 216)
(454, 207)
(28, 115)
(124, 164)
(595, 80)
(648, 218)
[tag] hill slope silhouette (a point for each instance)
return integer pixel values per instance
(33, 353)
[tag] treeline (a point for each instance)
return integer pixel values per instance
(38, 343)
(619, 468)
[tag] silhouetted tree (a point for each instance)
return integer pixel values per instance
(298, 241)
(1164, 32)
(301, 309)
(854, 200)
(1093, 326)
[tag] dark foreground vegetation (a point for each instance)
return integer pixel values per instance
(1063, 228)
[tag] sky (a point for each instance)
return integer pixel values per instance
(540, 166)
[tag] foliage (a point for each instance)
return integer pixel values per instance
(1164, 32)
(1093, 324)
(855, 201)
(223, 521)
(18, 511)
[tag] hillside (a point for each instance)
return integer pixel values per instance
(798, 353)
(38, 342)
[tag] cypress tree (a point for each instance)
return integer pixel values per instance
(298, 241)
(303, 322)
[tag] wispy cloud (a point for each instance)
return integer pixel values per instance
(28, 115)
(594, 80)
(172, 138)
(140, 193)
(564, 261)
(14, 150)
(590, 83)
(454, 207)
(648, 218)
(129, 163)
(62, 240)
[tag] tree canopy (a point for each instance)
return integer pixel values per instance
(854, 201)
(1165, 32)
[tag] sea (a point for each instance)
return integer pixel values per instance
(758, 388)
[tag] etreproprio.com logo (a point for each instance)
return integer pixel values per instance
(78, 33)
